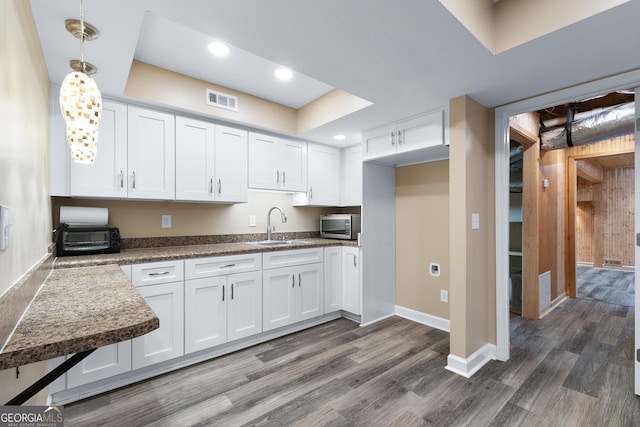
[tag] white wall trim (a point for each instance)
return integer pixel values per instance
(371, 322)
(469, 366)
(423, 318)
(583, 91)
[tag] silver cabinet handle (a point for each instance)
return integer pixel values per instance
(299, 279)
(311, 192)
(222, 292)
(133, 180)
(392, 136)
(399, 137)
(232, 291)
(278, 177)
(284, 179)
(121, 179)
(354, 261)
(160, 273)
(293, 280)
(219, 186)
(227, 265)
(210, 186)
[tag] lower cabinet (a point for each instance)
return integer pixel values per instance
(332, 279)
(351, 289)
(167, 342)
(292, 294)
(103, 363)
(220, 309)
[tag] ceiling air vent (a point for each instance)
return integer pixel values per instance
(222, 100)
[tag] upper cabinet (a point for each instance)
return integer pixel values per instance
(351, 172)
(211, 162)
(276, 163)
(388, 144)
(323, 172)
(151, 154)
(107, 176)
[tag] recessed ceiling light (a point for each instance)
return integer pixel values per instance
(218, 49)
(283, 74)
(339, 137)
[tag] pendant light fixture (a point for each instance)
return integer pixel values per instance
(80, 99)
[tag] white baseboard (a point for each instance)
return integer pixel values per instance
(472, 364)
(423, 318)
(371, 322)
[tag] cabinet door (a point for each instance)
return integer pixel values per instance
(352, 173)
(245, 305)
(278, 302)
(103, 363)
(351, 280)
(263, 162)
(421, 132)
(230, 182)
(151, 154)
(293, 166)
(194, 160)
(309, 292)
(379, 142)
(332, 279)
(107, 176)
(323, 173)
(166, 342)
(205, 320)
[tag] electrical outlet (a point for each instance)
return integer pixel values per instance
(444, 295)
(252, 221)
(166, 221)
(4, 228)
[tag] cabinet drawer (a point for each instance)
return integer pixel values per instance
(221, 265)
(289, 258)
(157, 272)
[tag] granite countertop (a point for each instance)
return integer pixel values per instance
(78, 309)
(167, 253)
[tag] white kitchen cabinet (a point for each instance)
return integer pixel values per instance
(103, 363)
(221, 306)
(231, 164)
(276, 163)
(194, 160)
(162, 286)
(107, 176)
(416, 133)
(332, 279)
(293, 287)
(351, 280)
(211, 162)
(151, 154)
(351, 186)
(323, 173)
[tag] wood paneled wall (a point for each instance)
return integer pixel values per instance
(584, 232)
(605, 219)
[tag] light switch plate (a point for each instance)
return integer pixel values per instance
(4, 228)
(166, 221)
(475, 221)
(444, 295)
(252, 221)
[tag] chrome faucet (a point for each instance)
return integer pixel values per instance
(282, 216)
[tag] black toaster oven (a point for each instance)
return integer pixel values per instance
(87, 239)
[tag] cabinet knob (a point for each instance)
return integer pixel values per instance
(392, 140)
(293, 280)
(278, 177)
(284, 178)
(299, 279)
(219, 186)
(133, 180)
(210, 186)
(222, 292)
(310, 192)
(399, 137)
(121, 178)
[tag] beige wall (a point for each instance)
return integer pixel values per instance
(472, 252)
(143, 218)
(510, 23)
(422, 236)
(24, 161)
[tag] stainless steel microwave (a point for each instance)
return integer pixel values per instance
(87, 239)
(340, 226)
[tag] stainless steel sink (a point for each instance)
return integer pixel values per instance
(277, 242)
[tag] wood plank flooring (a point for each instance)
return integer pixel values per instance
(572, 368)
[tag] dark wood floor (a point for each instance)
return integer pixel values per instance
(572, 368)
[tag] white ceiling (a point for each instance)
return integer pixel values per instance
(405, 56)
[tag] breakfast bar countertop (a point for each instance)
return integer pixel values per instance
(78, 309)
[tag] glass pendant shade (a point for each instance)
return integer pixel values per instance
(81, 106)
